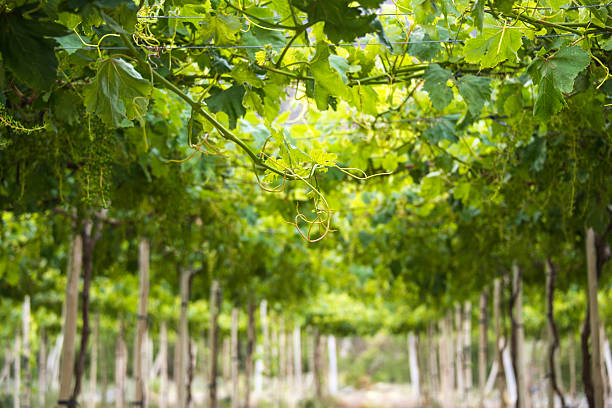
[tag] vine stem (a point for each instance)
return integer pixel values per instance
(536, 22)
(225, 133)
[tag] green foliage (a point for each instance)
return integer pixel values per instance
(554, 75)
(436, 78)
(344, 20)
(26, 49)
(493, 46)
(118, 93)
(228, 101)
(410, 193)
(475, 91)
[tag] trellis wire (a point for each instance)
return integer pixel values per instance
(264, 18)
(355, 44)
(388, 14)
(566, 8)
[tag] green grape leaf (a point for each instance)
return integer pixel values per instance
(72, 42)
(435, 85)
(549, 99)
(228, 101)
(554, 76)
(328, 81)
(281, 7)
(253, 101)
(341, 65)
(493, 46)
(477, 14)
(118, 93)
(26, 49)
(344, 21)
(65, 106)
(258, 37)
(504, 5)
(563, 66)
(365, 99)
(475, 91)
(432, 186)
(425, 11)
(223, 29)
(420, 48)
(444, 129)
(242, 73)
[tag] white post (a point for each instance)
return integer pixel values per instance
(27, 391)
(263, 315)
(17, 372)
(120, 369)
(42, 369)
(53, 363)
(333, 365)
(467, 344)
(259, 368)
(459, 351)
(163, 355)
(297, 359)
(608, 360)
(183, 340)
(94, 363)
(69, 329)
(591, 255)
(510, 379)
(521, 365)
(141, 327)
(234, 358)
(414, 365)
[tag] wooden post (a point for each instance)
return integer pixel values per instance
(572, 365)
(42, 369)
(27, 374)
(70, 319)
(297, 359)
(498, 339)
(591, 255)
(443, 361)
(414, 366)
(433, 376)
(289, 362)
(163, 378)
(450, 352)
(120, 368)
(459, 372)
(104, 363)
(317, 368)
(213, 336)
(249, 352)
(483, 343)
(141, 328)
(17, 372)
(333, 365)
(183, 340)
(282, 356)
(521, 366)
(607, 356)
(467, 344)
(265, 332)
(227, 360)
(234, 358)
(93, 370)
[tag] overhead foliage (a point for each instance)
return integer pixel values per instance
(420, 144)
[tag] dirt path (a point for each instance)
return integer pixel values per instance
(378, 396)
